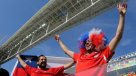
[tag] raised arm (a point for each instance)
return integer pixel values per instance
(122, 8)
(21, 61)
(63, 46)
(68, 65)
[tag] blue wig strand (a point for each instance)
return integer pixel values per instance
(105, 40)
(82, 39)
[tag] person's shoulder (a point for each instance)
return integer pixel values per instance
(106, 48)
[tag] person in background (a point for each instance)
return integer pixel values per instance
(42, 69)
(4, 72)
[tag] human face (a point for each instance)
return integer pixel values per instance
(42, 62)
(88, 45)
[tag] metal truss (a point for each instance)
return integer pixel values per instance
(55, 17)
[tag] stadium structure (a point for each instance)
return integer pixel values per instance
(122, 65)
(55, 17)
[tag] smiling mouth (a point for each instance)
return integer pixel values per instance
(43, 63)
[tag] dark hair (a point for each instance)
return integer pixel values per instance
(4, 72)
(40, 56)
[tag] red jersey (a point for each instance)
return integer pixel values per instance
(58, 71)
(93, 64)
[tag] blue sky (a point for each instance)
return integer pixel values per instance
(14, 13)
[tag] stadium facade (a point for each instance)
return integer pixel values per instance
(122, 65)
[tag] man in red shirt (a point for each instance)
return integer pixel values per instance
(95, 53)
(41, 70)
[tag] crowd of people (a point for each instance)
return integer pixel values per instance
(128, 74)
(94, 52)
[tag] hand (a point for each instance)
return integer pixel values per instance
(57, 37)
(122, 8)
(17, 55)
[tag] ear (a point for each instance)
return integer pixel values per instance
(37, 62)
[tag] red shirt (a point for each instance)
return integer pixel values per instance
(49, 72)
(93, 64)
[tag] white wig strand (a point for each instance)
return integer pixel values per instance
(95, 31)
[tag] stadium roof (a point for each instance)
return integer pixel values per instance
(55, 17)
